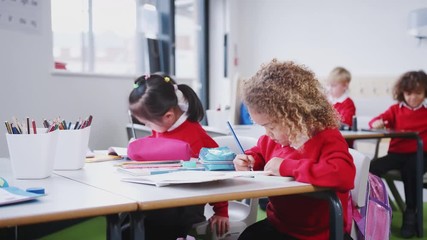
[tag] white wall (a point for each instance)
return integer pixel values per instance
(368, 37)
(29, 89)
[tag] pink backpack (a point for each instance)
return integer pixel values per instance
(374, 219)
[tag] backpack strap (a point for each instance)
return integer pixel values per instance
(359, 215)
(350, 208)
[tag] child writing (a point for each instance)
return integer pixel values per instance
(174, 111)
(409, 114)
(302, 141)
(339, 81)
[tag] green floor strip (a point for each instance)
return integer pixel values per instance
(95, 228)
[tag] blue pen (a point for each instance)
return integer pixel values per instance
(155, 172)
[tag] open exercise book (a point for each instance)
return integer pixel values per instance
(113, 153)
(181, 177)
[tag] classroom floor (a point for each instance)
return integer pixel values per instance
(94, 228)
(396, 217)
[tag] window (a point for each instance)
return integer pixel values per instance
(132, 37)
(191, 45)
(185, 37)
(95, 36)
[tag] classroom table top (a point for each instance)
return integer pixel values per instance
(64, 199)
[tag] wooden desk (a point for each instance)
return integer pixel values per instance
(103, 175)
(357, 135)
(65, 199)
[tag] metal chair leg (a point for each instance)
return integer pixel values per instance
(398, 199)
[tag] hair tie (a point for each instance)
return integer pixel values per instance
(137, 83)
(182, 102)
(167, 79)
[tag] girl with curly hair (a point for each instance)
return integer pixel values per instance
(302, 141)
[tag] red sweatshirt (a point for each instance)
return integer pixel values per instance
(191, 132)
(323, 161)
(196, 136)
(402, 118)
(347, 110)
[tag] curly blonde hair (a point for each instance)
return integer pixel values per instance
(290, 95)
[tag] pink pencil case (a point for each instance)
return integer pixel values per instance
(152, 149)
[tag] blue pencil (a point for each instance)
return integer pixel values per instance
(235, 137)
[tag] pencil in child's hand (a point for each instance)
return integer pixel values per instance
(235, 137)
(248, 161)
(239, 144)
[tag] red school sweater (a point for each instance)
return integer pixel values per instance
(196, 136)
(347, 110)
(401, 118)
(323, 161)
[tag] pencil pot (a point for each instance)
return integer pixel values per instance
(32, 155)
(71, 149)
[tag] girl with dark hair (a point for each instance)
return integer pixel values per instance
(409, 114)
(173, 111)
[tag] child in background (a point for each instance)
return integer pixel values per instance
(174, 111)
(302, 141)
(409, 114)
(339, 81)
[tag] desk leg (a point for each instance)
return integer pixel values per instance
(419, 185)
(336, 217)
(114, 231)
(137, 225)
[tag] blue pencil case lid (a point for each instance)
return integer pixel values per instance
(216, 154)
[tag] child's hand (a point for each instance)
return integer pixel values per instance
(378, 124)
(243, 162)
(221, 224)
(274, 165)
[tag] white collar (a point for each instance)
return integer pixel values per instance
(178, 122)
(423, 104)
(340, 99)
